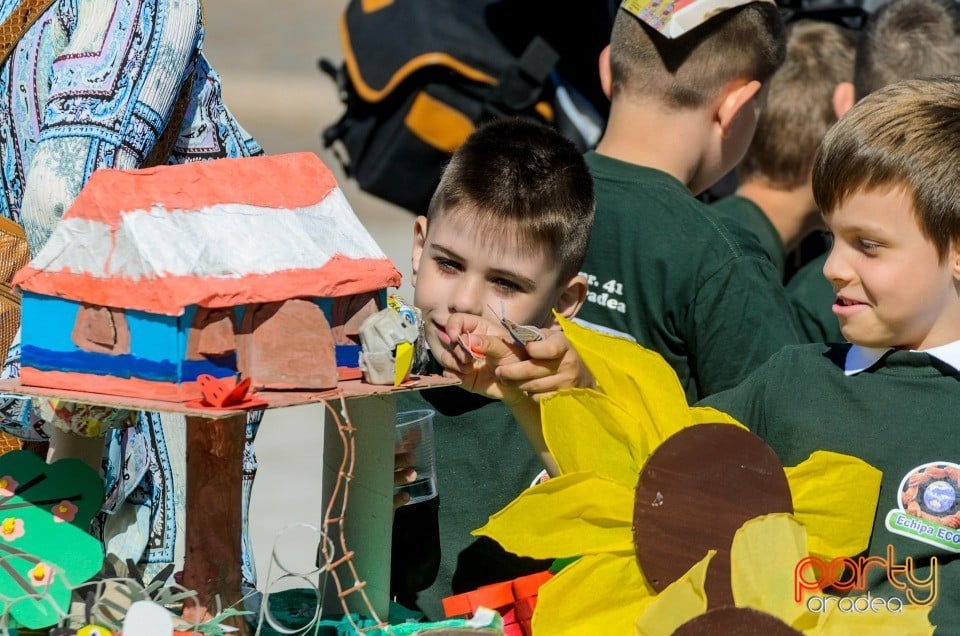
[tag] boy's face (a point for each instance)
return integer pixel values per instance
(455, 270)
(892, 288)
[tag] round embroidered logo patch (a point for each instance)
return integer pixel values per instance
(928, 506)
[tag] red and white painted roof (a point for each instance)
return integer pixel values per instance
(212, 233)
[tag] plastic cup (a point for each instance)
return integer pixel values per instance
(414, 434)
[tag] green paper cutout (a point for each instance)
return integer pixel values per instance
(32, 534)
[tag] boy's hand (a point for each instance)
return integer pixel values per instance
(552, 365)
(506, 370)
(483, 346)
(403, 474)
(404, 462)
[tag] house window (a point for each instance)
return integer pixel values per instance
(212, 334)
(101, 330)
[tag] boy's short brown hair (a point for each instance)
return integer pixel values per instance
(799, 106)
(906, 134)
(745, 42)
(524, 183)
(907, 39)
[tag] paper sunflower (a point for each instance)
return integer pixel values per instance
(764, 553)
(601, 439)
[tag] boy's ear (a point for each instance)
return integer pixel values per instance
(955, 256)
(572, 296)
(419, 240)
(843, 98)
(733, 102)
(606, 79)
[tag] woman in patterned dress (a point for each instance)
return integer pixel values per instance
(94, 84)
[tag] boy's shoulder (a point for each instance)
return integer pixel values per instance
(817, 355)
(612, 176)
(740, 212)
(804, 364)
(830, 363)
(648, 196)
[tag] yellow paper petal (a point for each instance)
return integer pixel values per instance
(639, 380)
(763, 558)
(566, 516)
(913, 620)
(681, 601)
(835, 498)
(586, 430)
(710, 415)
(599, 594)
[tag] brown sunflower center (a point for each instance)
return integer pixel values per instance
(694, 493)
(735, 621)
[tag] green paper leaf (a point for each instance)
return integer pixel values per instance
(45, 510)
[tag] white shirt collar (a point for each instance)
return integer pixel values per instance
(948, 353)
(860, 359)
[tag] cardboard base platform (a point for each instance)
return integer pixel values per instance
(349, 389)
(215, 439)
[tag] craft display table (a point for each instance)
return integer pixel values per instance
(214, 443)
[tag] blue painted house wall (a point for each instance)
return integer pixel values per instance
(158, 343)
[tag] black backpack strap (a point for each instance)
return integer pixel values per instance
(522, 82)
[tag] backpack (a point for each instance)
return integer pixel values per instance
(419, 76)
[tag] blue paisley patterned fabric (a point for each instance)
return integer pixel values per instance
(92, 84)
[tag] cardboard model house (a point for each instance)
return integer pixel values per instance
(256, 267)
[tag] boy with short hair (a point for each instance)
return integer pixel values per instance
(904, 39)
(661, 270)
(774, 200)
(887, 178)
(504, 235)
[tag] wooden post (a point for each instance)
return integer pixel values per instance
(213, 515)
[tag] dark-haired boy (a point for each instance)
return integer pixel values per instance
(661, 270)
(505, 233)
(904, 39)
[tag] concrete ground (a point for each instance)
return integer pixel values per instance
(266, 53)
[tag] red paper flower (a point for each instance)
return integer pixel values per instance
(8, 486)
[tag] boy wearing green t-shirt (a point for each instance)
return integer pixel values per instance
(504, 236)
(661, 269)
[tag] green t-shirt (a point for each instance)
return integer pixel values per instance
(741, 211)
(898, 415)
(664, 271)
(812, 297)
(484, 462)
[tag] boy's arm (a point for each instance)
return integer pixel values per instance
(740, 317)
(519, 376)
(484, 347)
(747, 402)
